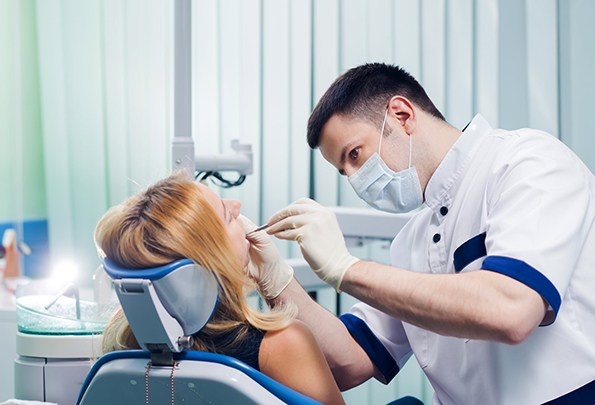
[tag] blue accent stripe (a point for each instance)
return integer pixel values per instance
(282, 392)
(584, 395)
(528, 275)
(372, 346)
(116, 272)
(469, 251)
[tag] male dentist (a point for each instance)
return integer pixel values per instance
(492, 283)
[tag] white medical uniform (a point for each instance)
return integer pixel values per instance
(522, 204)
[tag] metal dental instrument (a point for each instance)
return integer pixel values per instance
(260, 228)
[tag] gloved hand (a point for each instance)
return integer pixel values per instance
(266, 267)
(317, 231)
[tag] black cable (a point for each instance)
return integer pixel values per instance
(221, 181)
(204, 177)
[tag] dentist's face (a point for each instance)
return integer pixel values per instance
(228, 211)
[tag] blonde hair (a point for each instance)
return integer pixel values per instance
(172, 220)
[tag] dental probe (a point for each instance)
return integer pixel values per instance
(260, 228)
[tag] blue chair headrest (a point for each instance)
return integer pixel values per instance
(181, 294)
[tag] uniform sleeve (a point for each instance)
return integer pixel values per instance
(382, 338)
(535, 228)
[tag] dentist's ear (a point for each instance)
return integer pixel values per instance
(402, 109)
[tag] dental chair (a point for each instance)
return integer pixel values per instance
(165, 306)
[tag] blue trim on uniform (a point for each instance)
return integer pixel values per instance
(154, 273)
(371, 345)
(469, 251)
(528, 275)
(584, 395)
(279, 390)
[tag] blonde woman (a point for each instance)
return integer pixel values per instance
(178, 218)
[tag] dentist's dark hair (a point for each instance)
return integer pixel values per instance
(363, 93)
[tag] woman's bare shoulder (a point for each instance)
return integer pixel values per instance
(294, 333)
(292, 357)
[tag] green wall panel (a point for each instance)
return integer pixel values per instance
(21, 148)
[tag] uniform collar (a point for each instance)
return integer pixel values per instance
(439, 189)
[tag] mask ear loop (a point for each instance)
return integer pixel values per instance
(410, 148)
(382, 131)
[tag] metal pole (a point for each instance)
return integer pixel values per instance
(183, 144)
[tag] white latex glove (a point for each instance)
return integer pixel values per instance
(266, 267)
(317, 231)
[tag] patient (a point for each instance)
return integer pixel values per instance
(177, 218)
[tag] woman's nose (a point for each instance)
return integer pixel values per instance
(234, 206)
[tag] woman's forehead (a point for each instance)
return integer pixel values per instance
(211, 197)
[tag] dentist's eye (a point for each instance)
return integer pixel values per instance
(354, 154)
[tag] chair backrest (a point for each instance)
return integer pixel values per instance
(164, 306)
(198, 377)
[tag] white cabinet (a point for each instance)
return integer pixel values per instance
(8, 331)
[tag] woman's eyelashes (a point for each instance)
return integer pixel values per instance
(226, 216)
(231, 210)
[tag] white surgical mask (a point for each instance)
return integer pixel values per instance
(384, 189)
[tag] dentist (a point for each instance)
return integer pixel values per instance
(491, 285)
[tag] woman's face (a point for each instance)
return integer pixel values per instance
(228, 211)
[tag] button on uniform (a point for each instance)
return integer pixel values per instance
(443, 210)
(436, 238)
